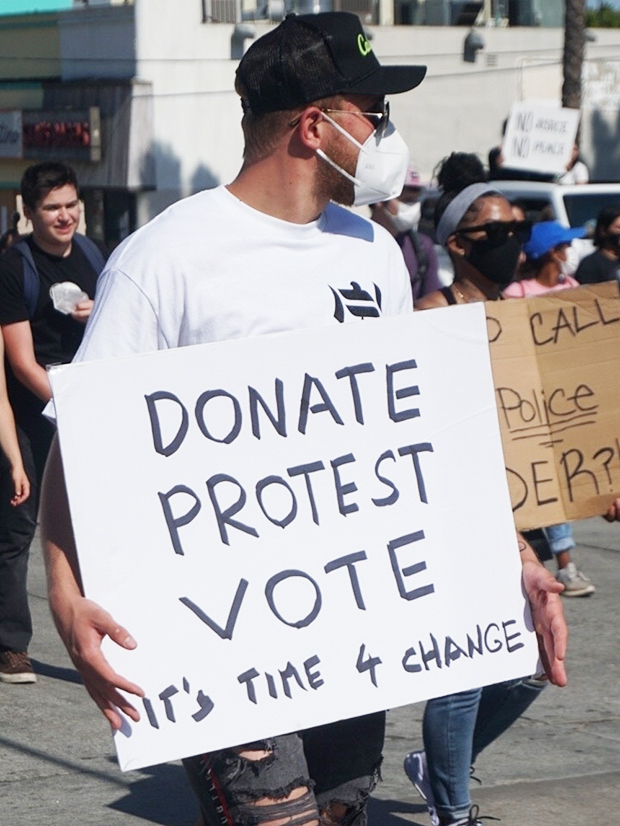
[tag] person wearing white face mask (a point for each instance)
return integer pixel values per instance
(270, 252)
(400, 216)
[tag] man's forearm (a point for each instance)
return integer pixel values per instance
(59, 551)
(34, 377)
(528, 554)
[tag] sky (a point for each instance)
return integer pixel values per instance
(13, 6)
(16, 6)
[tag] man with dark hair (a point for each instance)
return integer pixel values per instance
(39, 179)
(269, 252)
(36, 334)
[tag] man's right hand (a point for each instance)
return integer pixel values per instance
(81, 623)
(82, 627)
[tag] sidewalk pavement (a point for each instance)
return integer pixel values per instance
(559, 764)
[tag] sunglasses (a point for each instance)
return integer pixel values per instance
(498, 232)
(379, 119)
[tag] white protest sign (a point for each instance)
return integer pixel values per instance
(539, 137)
(297, 528)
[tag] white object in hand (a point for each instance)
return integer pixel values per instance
(66, 296)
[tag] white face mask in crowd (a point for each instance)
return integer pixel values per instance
(407, 216)
(381, 165)
(569, 266)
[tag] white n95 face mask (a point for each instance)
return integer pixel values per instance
(381, 165)
(407, 216)
(569, 266)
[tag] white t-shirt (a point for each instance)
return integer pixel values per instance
(578, 174)
(211, 268)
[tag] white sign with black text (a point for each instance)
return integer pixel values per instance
(539, 137)
(297, 528)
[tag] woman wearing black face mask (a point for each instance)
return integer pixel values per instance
(604, 263)
(475, 223)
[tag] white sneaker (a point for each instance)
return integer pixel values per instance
(575, 583)
(417, 771)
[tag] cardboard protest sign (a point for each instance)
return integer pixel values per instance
(539, 137)
(296, 528)
(556, 362)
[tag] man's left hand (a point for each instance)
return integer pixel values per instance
(543, 591)
(83, 310)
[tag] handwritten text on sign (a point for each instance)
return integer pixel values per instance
(559, 410)
(296, 528)
(539, 137)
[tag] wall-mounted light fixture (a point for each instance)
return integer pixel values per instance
(241, 33)
(472, 44)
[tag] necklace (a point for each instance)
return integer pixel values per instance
(459, 294)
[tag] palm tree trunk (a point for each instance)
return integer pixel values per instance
(574, 42)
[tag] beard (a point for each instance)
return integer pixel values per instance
(330, 183)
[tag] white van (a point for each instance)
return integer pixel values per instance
(572, 205)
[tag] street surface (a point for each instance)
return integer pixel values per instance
(559, 764)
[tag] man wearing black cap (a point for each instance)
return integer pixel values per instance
(269, 252)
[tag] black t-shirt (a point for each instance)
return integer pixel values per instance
(56, 337)
(597, 267)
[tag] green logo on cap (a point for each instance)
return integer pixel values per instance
(363, 45)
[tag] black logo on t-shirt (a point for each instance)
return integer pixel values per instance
(357, 301)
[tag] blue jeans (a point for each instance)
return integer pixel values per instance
(458, 727)
(560, 538)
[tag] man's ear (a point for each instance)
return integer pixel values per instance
(311, 128)
(27, 212)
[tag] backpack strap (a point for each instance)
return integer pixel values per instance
(422, 260)
(91, 251)
(32, 284)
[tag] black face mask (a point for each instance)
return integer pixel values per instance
(497, 263)
(613, 241)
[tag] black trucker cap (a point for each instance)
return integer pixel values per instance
(312, 56)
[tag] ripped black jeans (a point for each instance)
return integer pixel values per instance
(338, 763)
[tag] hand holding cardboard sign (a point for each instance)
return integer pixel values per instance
(613, 513)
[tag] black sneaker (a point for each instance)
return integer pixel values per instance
(15, 667)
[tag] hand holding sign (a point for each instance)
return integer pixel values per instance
(613, 513)
(280, 530)
(543, 591)
(81, 623)
(89, 626)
